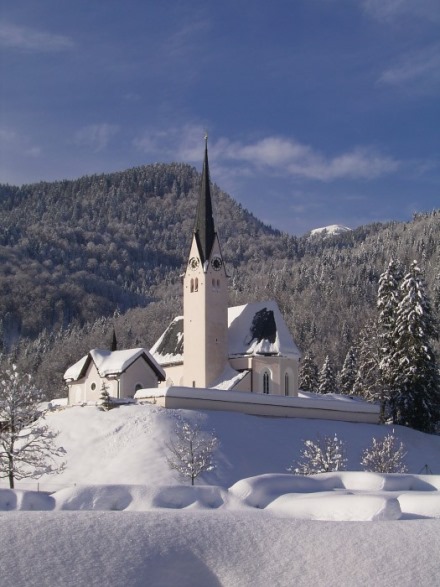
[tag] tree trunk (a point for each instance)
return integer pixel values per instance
(11, 471)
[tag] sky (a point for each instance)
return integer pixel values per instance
(318, 112)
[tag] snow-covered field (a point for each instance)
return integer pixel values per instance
(117, 514)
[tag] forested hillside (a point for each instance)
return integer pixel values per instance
(79, 257)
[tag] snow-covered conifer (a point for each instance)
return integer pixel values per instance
(385, 456)
(106, 403)
(26, 444)
(323, 456)
(388, 298)
(416, 400)
(367, 383)
(347, 377)
(191, 452)
(327, 379)
(308, 375)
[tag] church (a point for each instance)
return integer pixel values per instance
(245, 348)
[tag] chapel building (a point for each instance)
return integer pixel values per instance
(243, 348)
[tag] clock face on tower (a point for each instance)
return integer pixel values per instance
(216, 263)
(193, 263)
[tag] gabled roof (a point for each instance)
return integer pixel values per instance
(253, 329)
(204, 229)
(259, 329)
(169, 347)
(111, 363)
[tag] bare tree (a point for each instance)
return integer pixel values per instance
(26, 443)
(191, 453)
(323, 456)
(385, 456)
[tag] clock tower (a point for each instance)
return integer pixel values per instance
(205, 297)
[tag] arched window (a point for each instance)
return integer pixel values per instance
(196, 284)
(191, 285)
(138, 387)
(286, 383)
(266, 382)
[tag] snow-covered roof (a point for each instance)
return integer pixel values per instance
(111, 363)
(259, 329)
(253, 329)
(169, 347)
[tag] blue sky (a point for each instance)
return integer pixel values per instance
(318, 111)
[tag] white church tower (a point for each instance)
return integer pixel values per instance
(205, 297)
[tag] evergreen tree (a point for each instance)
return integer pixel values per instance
(327, 379)
(323, 456)
(308, 375)
(367, 383)
(105, 399)
(347, 377)
(388, 298)
(416, 399)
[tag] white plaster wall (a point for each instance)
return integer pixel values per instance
(265, 410)
(81, 391)
(205, 322)
(174, 375)
(140, 373)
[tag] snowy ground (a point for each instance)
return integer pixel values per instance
(119, 516)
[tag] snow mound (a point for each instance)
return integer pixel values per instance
(18, 499)
(336, 507)
(140, 498)
(259, 491)
(420, 505)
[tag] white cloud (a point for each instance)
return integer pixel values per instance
(25, 38)
(12, 141)
(388, 10)
(289, 157)
(277, 155)
(95, 136)
(421, 67)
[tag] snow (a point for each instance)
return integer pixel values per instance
(119, 516)
(239, 332)
(109, 362)
(330, 230)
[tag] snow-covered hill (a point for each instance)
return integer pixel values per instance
(247, 523)
(128, 445)
(331, 230)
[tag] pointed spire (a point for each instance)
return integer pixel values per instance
(204, 228)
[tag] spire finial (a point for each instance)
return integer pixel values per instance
(206, 138)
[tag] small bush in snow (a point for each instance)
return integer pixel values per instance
(323, 456)
(191, 452)
(384, 456)
(105, 401)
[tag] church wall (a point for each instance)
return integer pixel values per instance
(205, 321)
(267, 409)
(138, 373)
(276, 367)
(174, 375)
(88, 389)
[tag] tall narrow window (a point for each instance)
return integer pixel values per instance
(192, 285)
(196, 284)
(266, 380)
(286, 384)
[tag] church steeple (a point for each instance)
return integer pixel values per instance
(205, 297)
(204, 229)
